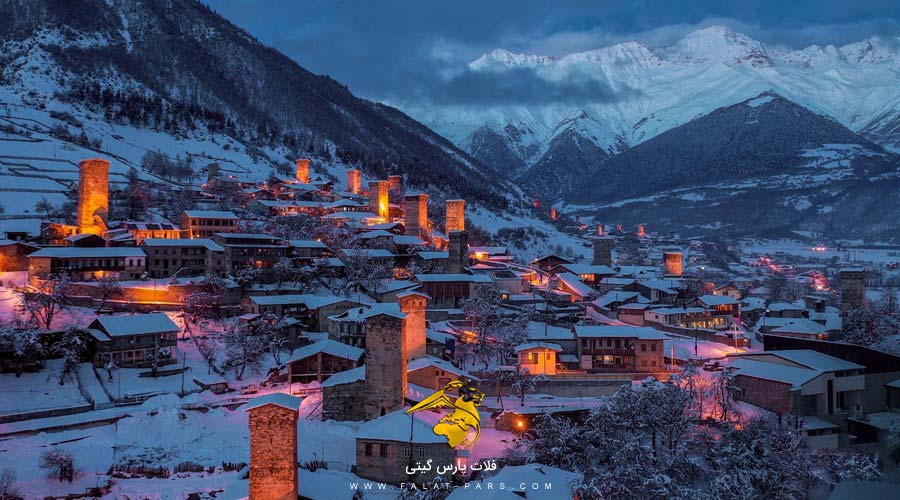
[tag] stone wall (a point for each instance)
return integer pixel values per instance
(345, 402)
(767, 394)
(273, 452)
(416, 214)
(456, 215)
(413, 305)
(388, 464)
(575, 388)
(603, 251)
(354, 181)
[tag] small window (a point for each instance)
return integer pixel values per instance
(368, 449)
(384, 450)
(653, 347)
(420, 452)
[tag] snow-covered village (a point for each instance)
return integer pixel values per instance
(223, 276)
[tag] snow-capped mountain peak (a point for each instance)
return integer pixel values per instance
(719, 44)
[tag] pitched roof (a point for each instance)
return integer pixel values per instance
(183, 242)
(620, 331)
(331, 347)
(399, 426)
(346, 377)
(89, 252)
(136, 324)
(210, 214)
(276, 398)
(425, 361)
(538, 345)
(309, 300)
(438, 278)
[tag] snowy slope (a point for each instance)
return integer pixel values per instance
(657, 89)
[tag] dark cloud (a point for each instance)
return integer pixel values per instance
(403, 49)
(521, 86)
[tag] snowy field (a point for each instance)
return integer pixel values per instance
(38, 391)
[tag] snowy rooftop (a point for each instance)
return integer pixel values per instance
(717, 300)
(588, 269)
(183, 242)
(802, 326)
(367, 252)
(617, 296)
(136, 324)
(791, 375)
(402, 239)
(538, 345)
(331, 347)
(619, 331)
(367, 311)
(89, 252)
(275, 398)
(669, 311)
(438, 278)
(433, 255)
(210, 214)
(575, 284)
(309, 300)
(346, 377)
(307, 244)
(538, 331)
(816, 360)
(398, 426)
(426, 361)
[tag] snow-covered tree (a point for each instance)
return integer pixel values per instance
(42, 304)
(205, 301)
(850, 465)
(8, 484)
(59, 464)
(107, 288)
(71, 347)
(23, 345)
(244, 348)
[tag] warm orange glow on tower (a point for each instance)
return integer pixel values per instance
(396, 183)
(456, 215)
(599, 229)
(303, 170)
(413, 304)
(354, 181)
(554, 214)
(672, 261)
(640, 231)
(378, 199)
(416, 214)
(93, 196)
(273, 451)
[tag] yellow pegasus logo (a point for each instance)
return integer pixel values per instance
(457, 425)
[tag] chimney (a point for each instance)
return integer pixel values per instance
(354, 181)
(396, 183)
(413, 304)
(93, 196)
(603, 251)
(672, 262)
(273, 446)
(458, 249)
(456, 215)
(378, 199)
(416, 214)
(303, 170)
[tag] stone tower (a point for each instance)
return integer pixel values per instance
(93, 196)
(378, 199)
(603, 251)
(458, 250)
(413, 304)
(303, 170)
(672, 263)
(386, 358)
(599, 229)
(416, 214)
(640, 231)
(853, 288)
(273, 446)
(456, 215)
(395, 183)
(354, 181)
(212, 171)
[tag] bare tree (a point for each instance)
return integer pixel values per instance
(45, 301)
(108, 288)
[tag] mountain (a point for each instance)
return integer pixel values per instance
(176, 65)
(765, 166)
(650, 90)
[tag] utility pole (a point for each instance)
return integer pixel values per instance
(183, 363)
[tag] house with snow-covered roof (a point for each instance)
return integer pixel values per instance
(614, 348)
(134, 339)
(800, 382)
(386, 445)
(87, 263)
(316, 362)
(434, 373)
(537, 358)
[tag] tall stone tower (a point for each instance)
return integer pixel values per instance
(212, 171)
(273, 446)
(395, 183)
(456, 215)
(386, 360)
(603, 251)
(458, 250)
(354, 181)
(599, 229)
(378, 199)
(416, 214)
(672, 262)
(93, 196)
(303, 170)
(853, 288)
(413, 304)
(640, 231)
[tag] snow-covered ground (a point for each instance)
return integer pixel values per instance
(38, 391)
